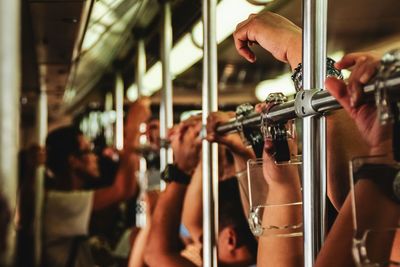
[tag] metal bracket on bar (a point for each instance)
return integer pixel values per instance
(314, 102)
(303, 103)
(251, 134)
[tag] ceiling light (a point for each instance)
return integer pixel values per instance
(281, 84)
(185, 53)
(132, 92)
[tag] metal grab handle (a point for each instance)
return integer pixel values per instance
(321, 102)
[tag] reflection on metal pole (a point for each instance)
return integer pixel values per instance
(210, 151)
(314, 147)
(140, 66)
(166, 115)
(41, 127)
(142, 173)
(108, 109)
(119, 111)
(9, 119)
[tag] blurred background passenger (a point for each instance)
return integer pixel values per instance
(236, 245)
(69, 204)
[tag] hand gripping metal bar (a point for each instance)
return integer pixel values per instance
(321, 101)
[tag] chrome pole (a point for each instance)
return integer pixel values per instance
(9, 119)
(314, 132)
(142, 174)
(166, 114)
(140, 66)
(209, 151)
(41, 128)
(119, 111)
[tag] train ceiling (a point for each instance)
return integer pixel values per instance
(73, 48)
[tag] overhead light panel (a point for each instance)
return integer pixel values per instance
(281, 84)
(185, 53)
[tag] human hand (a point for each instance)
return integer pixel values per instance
(153, 133)
(36, 156)
(186, 144)
(278, 174)
(139, 111)
(274, 33)
(364, 67)
(233, 140)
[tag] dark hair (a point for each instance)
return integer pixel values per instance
(231, 214)
(60, 144)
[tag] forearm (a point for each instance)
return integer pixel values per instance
(241, 157)
(192, 216)
(274, 250)
(136, 257)
(124, 186)
(377, 211)
(164, 235)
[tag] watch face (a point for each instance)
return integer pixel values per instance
(396, 186)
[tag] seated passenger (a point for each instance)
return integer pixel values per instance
(68, 206)
(236, 245)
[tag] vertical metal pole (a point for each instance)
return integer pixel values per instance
(41, 127)
(140, 66)
(314, 133)
(9, 117)
(142, 177)
(41, 119)
(166, 114)
(210, 151)
(108, 107)
(119, 111)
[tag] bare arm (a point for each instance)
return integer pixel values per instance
(337, 248)
(375, 208)
(125, 184)
(136, 258)
(192, 216)
(164, 246)
(283, 188)
(164, 243)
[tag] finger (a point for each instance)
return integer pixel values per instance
(269, 148)
(369, 72)
(260, 107)
(210, 123)
(241, 40)
(337, 88)
(355, 85)
(349, 60)
(231, 114)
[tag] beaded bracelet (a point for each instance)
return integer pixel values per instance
(331, 71)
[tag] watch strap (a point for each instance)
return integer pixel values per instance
(385, 176)
(172, 173)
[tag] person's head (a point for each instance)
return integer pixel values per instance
(236, 244)
(70, 158)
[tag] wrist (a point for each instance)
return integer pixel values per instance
(294, 53)
(184, 169)
(383, 148)
(173, 173)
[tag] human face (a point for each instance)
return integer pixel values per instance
(87, 164)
